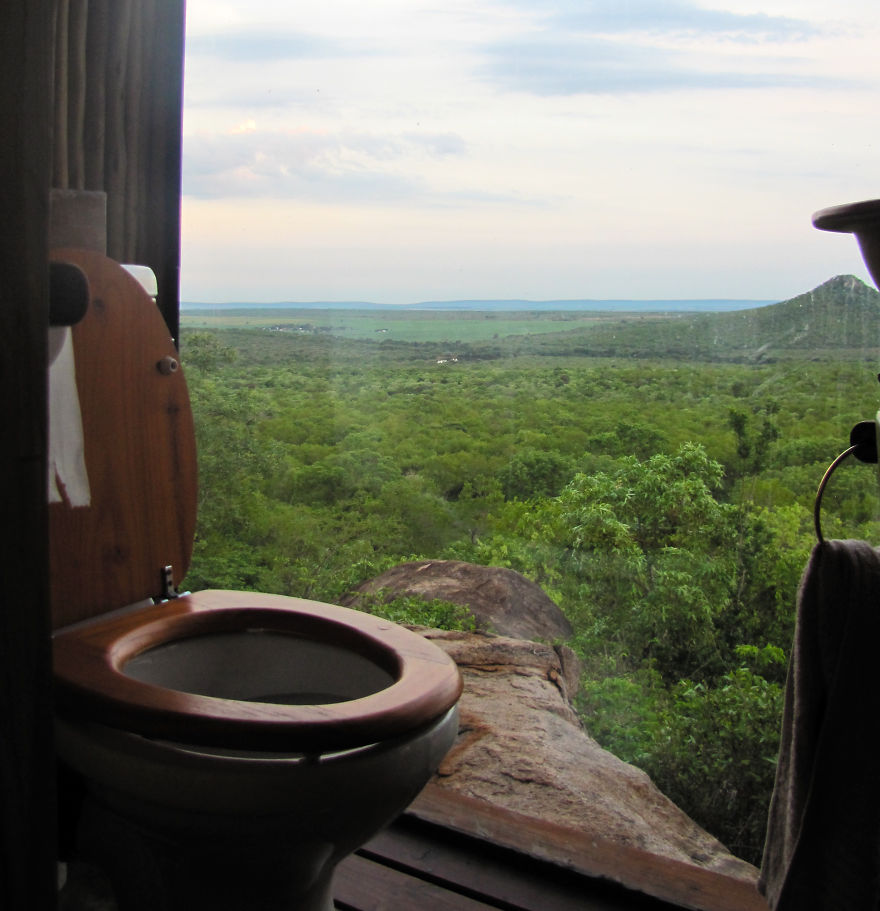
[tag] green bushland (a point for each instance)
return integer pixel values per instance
(416, 611)
(665, 504)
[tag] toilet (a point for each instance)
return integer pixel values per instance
(234, 746)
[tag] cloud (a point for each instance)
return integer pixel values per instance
(648, 15)
(256, 45)
(671, 17)
(556, 65)
(307, 164)
(628, 46)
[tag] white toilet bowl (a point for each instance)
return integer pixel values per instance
(235, 745)
(237, 819)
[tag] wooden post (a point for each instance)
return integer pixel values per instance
(62, 19)
(115, 154)
(159, 240)
(76, 85)
(27, 770)
(94, 139)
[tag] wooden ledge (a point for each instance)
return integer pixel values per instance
(682, 884)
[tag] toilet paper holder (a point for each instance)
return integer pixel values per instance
(68, 294)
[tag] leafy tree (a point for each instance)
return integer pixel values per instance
(631, 438)
(714, 754)
(754, 435)
(412, 610)
(206, 352)
(654, 552)
(534, 473)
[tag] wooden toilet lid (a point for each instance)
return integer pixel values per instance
(140, 454)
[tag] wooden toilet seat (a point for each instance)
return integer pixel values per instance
(91, 684)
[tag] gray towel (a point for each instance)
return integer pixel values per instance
(823, 837)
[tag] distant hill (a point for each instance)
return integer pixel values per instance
(688, 305)
(841, 314)
(708, 305)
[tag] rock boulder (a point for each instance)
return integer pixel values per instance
(501, 600)
(521, 746)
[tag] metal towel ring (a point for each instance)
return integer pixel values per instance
(863, 440)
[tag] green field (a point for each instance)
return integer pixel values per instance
(839, 318)
(441, 327)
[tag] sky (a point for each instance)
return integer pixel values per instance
(398, 151)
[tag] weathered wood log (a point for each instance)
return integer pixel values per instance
(115, 159)
(94, 136)
(78, 20)
(59, 170)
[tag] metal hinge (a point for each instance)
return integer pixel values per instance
(169, 592)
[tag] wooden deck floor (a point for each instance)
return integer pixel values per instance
(451, 853)
(413, 866)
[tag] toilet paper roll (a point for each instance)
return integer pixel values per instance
(68, 478)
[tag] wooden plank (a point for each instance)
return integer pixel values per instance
(681, 884)
(363, 885)
(500, 877)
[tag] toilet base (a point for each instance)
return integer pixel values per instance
(163, 870)
(175, 827)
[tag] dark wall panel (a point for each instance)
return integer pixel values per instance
(27, 835)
